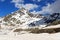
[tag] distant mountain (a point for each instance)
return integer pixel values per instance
(53, 19)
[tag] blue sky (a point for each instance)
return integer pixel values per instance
(6, 7)
(34, 6)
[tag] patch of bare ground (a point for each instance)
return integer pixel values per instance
(18, 30)
(37, 30)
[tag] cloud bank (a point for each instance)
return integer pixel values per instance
(20, 3)
(49, 8)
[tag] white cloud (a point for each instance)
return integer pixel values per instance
(27, 6)
(20, 3)
(55, 7)
(30, 6)
(17, 1)
(50, 8)
(45, 9)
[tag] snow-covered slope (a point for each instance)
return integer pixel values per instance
(44, 36)
(20, 18)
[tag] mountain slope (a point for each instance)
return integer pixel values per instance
(21, 18)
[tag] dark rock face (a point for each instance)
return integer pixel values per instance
(37, 23)
(53, 17)
(32, 24)
(35, 15)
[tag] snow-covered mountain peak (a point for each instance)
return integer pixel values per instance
(23, 10)
(20, 18)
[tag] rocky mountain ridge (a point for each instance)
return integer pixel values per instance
(20, 18)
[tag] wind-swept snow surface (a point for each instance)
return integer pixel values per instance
(43, 36)
(29, 36)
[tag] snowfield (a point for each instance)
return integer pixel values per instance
(43, 36)
(29, 36)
